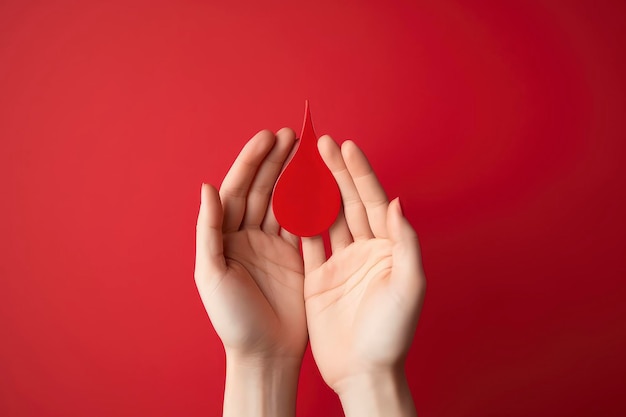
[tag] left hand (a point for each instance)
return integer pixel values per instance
(363, 302)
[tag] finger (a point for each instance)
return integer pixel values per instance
(234, 189)
(313, 253)
(370, 191)
(209, 247)
(354, 211)
(339, 233)
(407, 273)
(290, 238)
(270, 224)
(263, 183)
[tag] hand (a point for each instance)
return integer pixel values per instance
(249, 274)
(362, 304)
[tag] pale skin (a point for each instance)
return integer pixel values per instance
(359, 308)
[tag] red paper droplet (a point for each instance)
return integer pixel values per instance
(306, 197)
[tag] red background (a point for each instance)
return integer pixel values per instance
(500, 125)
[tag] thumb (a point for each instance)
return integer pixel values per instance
(210, 260)
(407, 274)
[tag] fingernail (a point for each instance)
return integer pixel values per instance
(400, 207)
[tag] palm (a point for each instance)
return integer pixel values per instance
(260, 296)
(350, 304)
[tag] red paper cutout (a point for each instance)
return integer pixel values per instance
(306, 197)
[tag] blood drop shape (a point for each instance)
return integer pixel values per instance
(306, 197)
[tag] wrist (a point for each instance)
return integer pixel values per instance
(257, 386)
(382, 392)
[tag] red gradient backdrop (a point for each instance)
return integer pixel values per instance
(500, 125)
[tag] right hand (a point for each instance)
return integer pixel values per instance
(248, 271)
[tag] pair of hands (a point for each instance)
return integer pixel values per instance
(358, 308)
